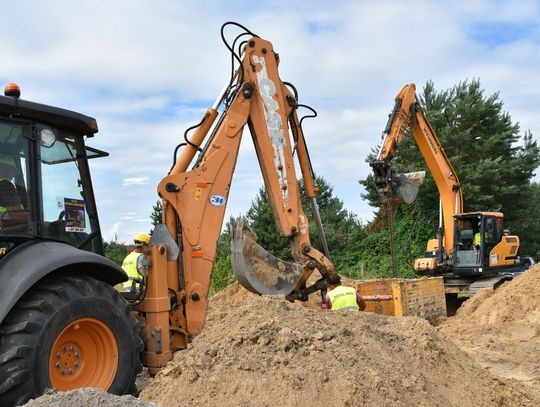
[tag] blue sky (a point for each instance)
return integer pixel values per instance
(147, 70)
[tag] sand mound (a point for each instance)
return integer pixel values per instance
(501, 329)
(512, 307)
(515, 302)
(262, 351)
(87, 398)
(224, 302)
(234, 295)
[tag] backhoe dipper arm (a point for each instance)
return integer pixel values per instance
(408, 114)
(307, 174)
(194, 203)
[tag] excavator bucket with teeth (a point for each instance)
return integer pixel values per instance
(257, 270)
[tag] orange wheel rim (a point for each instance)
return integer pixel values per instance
(85, 354)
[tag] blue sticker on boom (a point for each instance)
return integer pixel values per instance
(217, 200)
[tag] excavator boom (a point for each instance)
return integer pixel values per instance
(402, 188)
(194, 201)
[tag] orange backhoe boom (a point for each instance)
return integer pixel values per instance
(194, 202)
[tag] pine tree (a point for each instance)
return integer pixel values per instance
(155, 216)
(262, 221)
(222, 274)
(528, 225)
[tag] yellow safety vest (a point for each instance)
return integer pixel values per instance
(477, 239)
(130, 267)
(343, 299)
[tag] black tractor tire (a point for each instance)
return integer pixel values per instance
(29, 332)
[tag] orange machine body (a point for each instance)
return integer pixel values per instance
(194, 202)
(454, 253)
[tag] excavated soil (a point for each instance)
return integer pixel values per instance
(265, 351)
(501, 329)
(87, 398)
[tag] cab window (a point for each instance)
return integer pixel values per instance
(64, 206)
(14, 199)
(467, 249)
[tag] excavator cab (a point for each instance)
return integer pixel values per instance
(45, 186)
(481, 244)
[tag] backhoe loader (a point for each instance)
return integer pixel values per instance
(63, 325)
(472, 250)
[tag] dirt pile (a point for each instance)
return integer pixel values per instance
(517, 302)
(263, 351)
(501, 329)
(88, 398)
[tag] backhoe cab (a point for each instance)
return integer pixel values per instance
(45, 186)
(62, 325)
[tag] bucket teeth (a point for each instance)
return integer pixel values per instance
(257, 270)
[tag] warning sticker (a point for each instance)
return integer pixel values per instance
(198, 193)
(74, 215)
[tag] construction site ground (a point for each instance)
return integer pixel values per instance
(265, 351)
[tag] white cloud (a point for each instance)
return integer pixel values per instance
(135, 181)
(113, 232)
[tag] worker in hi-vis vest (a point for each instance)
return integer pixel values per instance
(477, 240)
(343, 298)
(132, 265)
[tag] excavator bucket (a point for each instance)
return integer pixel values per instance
(257, 270)
(405, 187)
(396, 187)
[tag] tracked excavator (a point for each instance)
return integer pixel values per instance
(63, 325)
(472, 250)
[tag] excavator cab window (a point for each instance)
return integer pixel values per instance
(476, 236)
(467, 249)
(14, 210)
(64, 185)
(493, 233)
